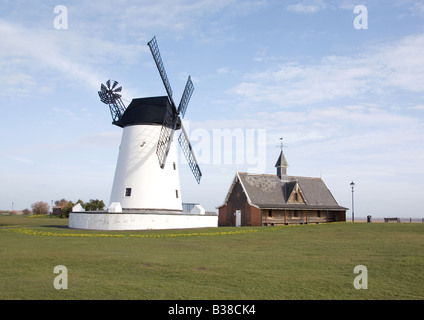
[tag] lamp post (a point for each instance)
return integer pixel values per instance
(352, 185)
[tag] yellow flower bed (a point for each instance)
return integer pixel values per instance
(14, 226)
(57, 234)
(28, 231)
(194, 234)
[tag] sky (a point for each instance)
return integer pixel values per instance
(344, 88)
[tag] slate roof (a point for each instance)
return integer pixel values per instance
(267, 191)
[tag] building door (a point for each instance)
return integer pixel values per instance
(238, 218)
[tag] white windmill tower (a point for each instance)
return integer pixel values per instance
(146, 176)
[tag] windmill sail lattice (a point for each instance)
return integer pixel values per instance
(165, 137)
(187, 150)
(188, 91)
(153, 45)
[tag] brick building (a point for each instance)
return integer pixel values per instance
(267, 200)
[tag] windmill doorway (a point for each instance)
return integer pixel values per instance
(238, 218)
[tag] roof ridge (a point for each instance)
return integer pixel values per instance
(318, 178)
(257, 174)
(271, 174)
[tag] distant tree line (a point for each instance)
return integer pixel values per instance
(66, 206)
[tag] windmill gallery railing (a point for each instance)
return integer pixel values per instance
(187, 206)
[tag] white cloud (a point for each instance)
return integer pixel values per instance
(418, 107)
(92, 140)
(418, 8)
(223, 70)
(307, 7)
(173, 17)
(35, 60)
(64, 112)
(20, 159)
(32, 54)
(347, 4)
(380, 69)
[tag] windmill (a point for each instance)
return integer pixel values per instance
(146, 175)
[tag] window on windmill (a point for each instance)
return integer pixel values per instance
(176, 193)
(128, 192)
(175, 165)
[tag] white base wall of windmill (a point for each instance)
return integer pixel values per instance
(139, 182)
(134, 221)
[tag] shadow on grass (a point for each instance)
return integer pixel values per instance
(55, 226)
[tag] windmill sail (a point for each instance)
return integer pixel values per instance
(166, 136)
(153, 45)
(188, 91)
(188, 152)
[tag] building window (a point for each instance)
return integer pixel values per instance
(295, 215)
(318, 214)
(128, 192)
(175, 165)
(176, 193)
(296, 197)
(270, 213)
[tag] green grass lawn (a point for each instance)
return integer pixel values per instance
(290, 262)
